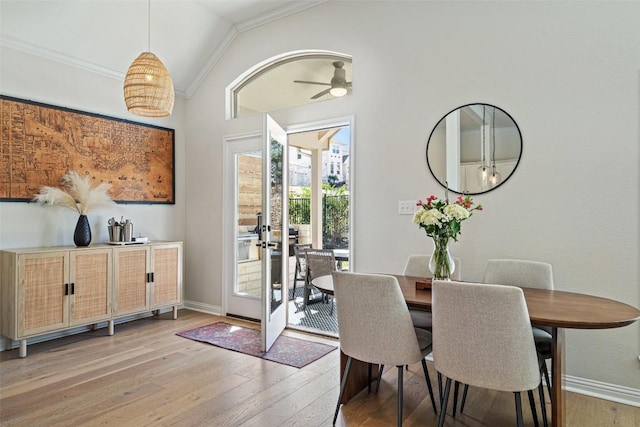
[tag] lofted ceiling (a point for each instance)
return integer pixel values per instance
(105, 36)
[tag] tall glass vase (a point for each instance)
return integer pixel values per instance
(441, 263)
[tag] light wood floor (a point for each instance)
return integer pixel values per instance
(145, 375)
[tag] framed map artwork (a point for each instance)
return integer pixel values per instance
(39, 143)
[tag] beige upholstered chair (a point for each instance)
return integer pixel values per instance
(481, 337)
(320, 262)
(300, 272)
(418, 265)
(375, 327)
(525, 274)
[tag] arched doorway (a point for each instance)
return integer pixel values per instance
(325, 125)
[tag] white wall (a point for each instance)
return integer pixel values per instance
(29, 224)
(567, 72)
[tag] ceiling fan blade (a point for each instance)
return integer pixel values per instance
(312, 83)
(319, 94)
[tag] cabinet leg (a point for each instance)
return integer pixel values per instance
(23, 348)
(110, 327)
(175, 312)
(94, 327)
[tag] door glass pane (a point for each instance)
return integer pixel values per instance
(277, 236)
(249, 204)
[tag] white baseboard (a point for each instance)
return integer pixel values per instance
(209, 309)
(612, 392)
(77, 330)
(216, 310)
(597, 389)
(600, 390)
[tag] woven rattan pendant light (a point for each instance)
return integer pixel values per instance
(148, 89)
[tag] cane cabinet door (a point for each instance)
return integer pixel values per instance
(132, 287)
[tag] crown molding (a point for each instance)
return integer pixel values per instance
(212, 61)
(231, 35)
(282, 12)
(54, 56)
(233, 32)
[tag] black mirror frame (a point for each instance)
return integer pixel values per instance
(443, 184)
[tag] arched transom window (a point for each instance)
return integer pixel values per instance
(288, 80)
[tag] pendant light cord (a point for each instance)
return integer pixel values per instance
(149, 24)
(483, 158)
(493, 137)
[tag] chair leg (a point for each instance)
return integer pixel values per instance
(440, 388)
(518, 409)
(464, 397)
(369, 370)
(543, 406)
(380, 369)
(305, 297)
(426, 375)
(295, 282)
(332, 304)
(342, 386)
(443, 404)
(534, 412)
(456, 387)
(400, 382)
(545, 371)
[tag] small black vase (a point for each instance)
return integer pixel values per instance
(82, 235)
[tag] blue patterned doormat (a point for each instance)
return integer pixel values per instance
(286, 350)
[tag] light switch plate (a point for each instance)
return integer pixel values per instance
(406, 207)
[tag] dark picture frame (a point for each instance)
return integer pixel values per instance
(39, 143)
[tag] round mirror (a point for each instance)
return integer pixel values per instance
(474, 149)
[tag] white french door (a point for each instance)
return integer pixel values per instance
(256, 209)
(275, 232)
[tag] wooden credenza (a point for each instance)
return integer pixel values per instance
(51, 289)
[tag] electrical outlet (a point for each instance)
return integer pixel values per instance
(406, 207)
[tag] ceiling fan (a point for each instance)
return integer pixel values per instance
(339, 85)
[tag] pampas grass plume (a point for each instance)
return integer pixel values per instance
(76, 194)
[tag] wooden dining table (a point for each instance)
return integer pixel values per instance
(558, 310)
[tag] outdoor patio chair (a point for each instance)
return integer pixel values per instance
(300, 272)
(320, 262)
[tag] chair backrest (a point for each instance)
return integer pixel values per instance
(320, 262)
(520, 273)
(418, 265)
(482, 336)
(301, 262)
(373, 319)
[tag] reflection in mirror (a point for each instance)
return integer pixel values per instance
(474, 149)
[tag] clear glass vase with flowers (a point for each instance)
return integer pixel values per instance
(441, 221)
